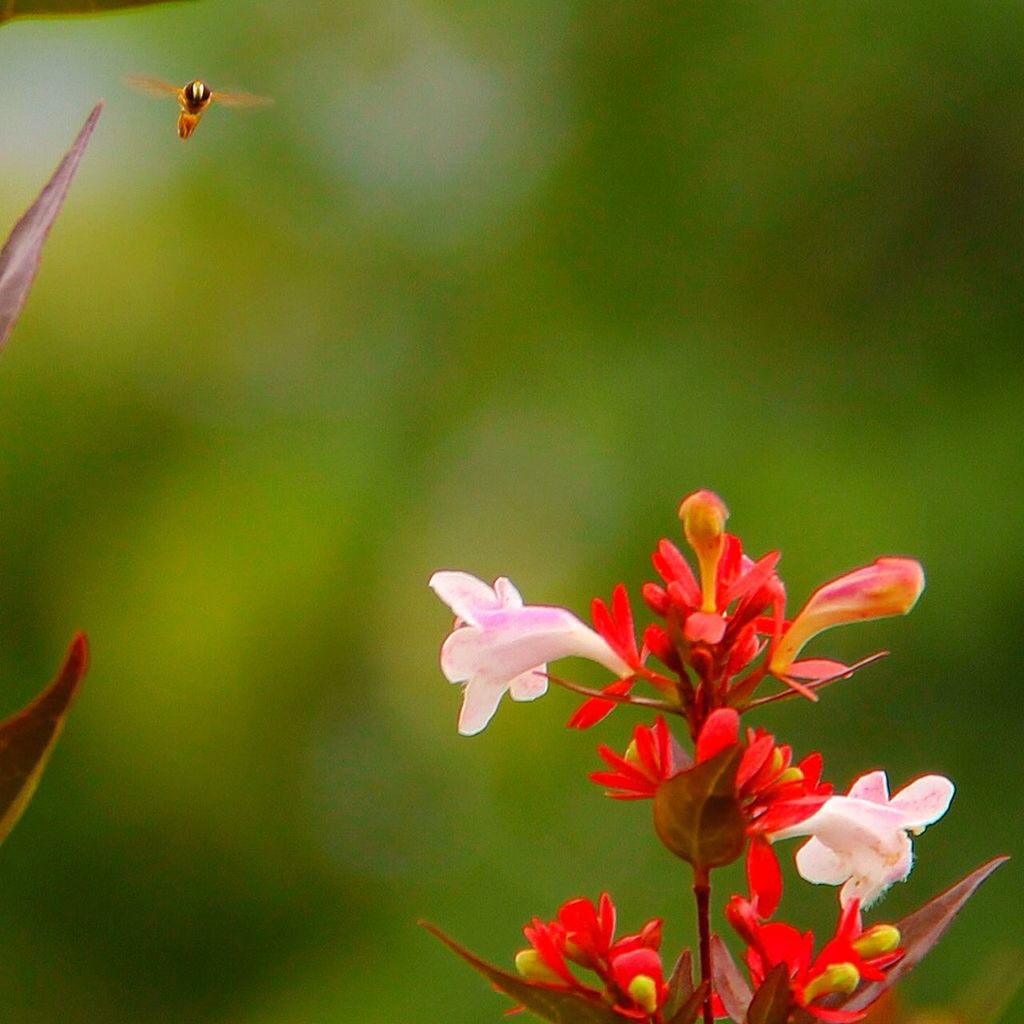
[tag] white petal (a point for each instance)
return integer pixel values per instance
(464, 594)
(508, 596)
(924, 801)
(479, 702)
(818, 864)
(874, 787)
(530, 685)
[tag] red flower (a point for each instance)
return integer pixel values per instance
(851, 955)
(629, 969)
(714, 625)
(773, 792)
(652, 757)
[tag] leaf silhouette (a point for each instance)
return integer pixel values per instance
(922, 929)
(730, 985)
(548, 1003)
(697, 815)
(919, 932)
(55, 8)
(29, 735)
(19, 258)
(772, 1001)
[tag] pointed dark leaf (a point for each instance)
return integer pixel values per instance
(690, 1010)
(772, 1001)
(921, 930)
(729, 983)
(548, 1003)
(697, 815)
(19, 258)
(28, 737)
(680, 984)
(39, 8)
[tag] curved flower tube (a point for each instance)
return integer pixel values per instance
(501, 645)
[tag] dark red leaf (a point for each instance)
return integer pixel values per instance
(37, 8)
(921, 930)
(548, 1003)
(691, 1009)
(730, 985)
(29, 735)
(19, 258)
(772, 1001)
(697, 815)
(680, 984)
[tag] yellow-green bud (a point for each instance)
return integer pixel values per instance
(532, 967)
(644, 992)
(631, 754)
(835, 978)
(790, 775)
(882, 938)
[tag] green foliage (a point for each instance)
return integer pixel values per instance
(58, 8)
(19, 258)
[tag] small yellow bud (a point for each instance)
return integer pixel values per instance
(644, 992)
(703, 515)
(791, 774)
(631, 754)
(532, 967)
(882, 938)
(835, 978)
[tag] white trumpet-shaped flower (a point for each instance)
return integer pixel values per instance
(499, 644)
(862, 840)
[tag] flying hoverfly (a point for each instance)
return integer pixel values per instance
(193, 98)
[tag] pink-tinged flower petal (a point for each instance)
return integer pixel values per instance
(479, 702)
(873, 786)
(862, 840)
(466, 595)
(819, 865)
(889, 586)
(502, 644)
(704, 627)
(924, 801)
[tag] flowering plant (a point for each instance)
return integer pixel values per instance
(720, 646)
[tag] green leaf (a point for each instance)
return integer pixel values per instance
(772, 1001)
(550, 1004)
(730, 985)
(50, 8)
(19, 258)
(28, 736)
(697, 815)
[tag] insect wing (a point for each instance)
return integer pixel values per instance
(240, 99)
(152, 86)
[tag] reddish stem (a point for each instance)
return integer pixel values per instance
(702, 894)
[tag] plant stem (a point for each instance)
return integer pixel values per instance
(702, 894)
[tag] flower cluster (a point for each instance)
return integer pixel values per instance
(628, 969)
(720, 631)
(852, 955)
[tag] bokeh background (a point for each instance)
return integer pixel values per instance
(492, 286)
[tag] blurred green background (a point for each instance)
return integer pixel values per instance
(490, 287)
